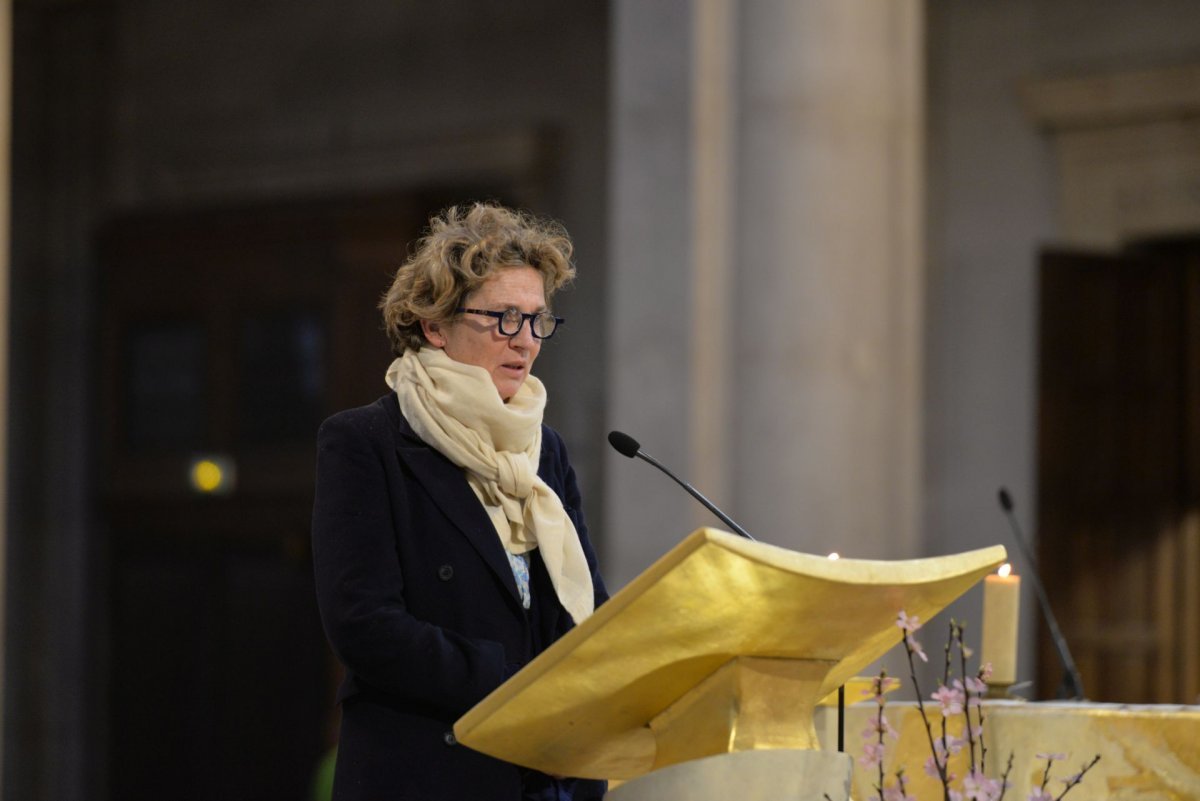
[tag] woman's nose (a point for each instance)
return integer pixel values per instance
(523, 338)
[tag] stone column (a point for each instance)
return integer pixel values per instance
(766, 296)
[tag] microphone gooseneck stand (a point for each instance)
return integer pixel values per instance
(628, 446)
(1071, 687)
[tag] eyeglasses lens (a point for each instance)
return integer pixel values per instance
(510, 323)
(544, 324)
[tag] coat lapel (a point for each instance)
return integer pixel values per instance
(445, 483)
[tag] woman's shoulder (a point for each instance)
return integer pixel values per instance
(375, 419)
(552, 442)
(554, 460)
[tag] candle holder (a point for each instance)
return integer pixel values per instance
(1003, 691)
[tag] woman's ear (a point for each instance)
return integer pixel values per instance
(433, 333)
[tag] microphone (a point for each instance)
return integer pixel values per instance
(1072, 683)
(628, 446)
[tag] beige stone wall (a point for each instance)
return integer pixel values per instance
(1126, 149)
(766, 274)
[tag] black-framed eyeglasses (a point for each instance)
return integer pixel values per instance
(542, 324)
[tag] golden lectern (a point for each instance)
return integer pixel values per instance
(722, 646)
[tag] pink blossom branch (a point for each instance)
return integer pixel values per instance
(1046, 774)
(1004, 778)
(981, 677)
(946, 683)
(879, 682)
(956, 631)
(1076, 779)
(912, 672)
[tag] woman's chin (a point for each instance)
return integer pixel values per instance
(508, 386)
(507, 389)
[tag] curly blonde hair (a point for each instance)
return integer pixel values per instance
(461, 249)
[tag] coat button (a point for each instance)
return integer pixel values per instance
(445, 572)
(449, 739)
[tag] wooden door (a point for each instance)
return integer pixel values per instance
(1118, 457)
(230, 333)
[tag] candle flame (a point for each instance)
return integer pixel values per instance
(833, 557)
(1005, 569)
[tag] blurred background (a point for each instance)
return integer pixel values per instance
(849, 265)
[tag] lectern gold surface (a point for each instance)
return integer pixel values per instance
(721, 645)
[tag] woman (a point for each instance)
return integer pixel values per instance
(448, 538)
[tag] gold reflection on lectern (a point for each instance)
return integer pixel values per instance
(721, 645)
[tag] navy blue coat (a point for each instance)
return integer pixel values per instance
(419, 602)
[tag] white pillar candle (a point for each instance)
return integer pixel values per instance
(1001, 614)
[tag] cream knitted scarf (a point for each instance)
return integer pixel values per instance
(455, 408)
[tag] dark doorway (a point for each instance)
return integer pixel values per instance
(1119, 469)
(228, 335)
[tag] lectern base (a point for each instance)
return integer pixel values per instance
(777, 775)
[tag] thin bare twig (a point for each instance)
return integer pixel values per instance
(1077, 778)
(1004, 778)
(941, 768)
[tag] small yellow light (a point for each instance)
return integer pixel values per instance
(834, 556)
(207, 475)
(212, 474)
(1005, 569)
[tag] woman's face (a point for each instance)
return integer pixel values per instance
(476, 339)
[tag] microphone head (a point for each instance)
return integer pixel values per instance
(1005, 500)
(625, 444)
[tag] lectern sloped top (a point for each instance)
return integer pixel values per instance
(584, 706)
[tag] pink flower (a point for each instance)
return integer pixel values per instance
(931, 768)
(879, 725)
(978, 686)
(985, 672)
(1039, 794)
(970, 693)
(907, 624)
(955, 795)
(897, 793)
(916, 647)
(880, 685)
(950, 698)
(949, 745)
(978, 787)
(872, 755)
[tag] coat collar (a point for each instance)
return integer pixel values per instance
(446, 484)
